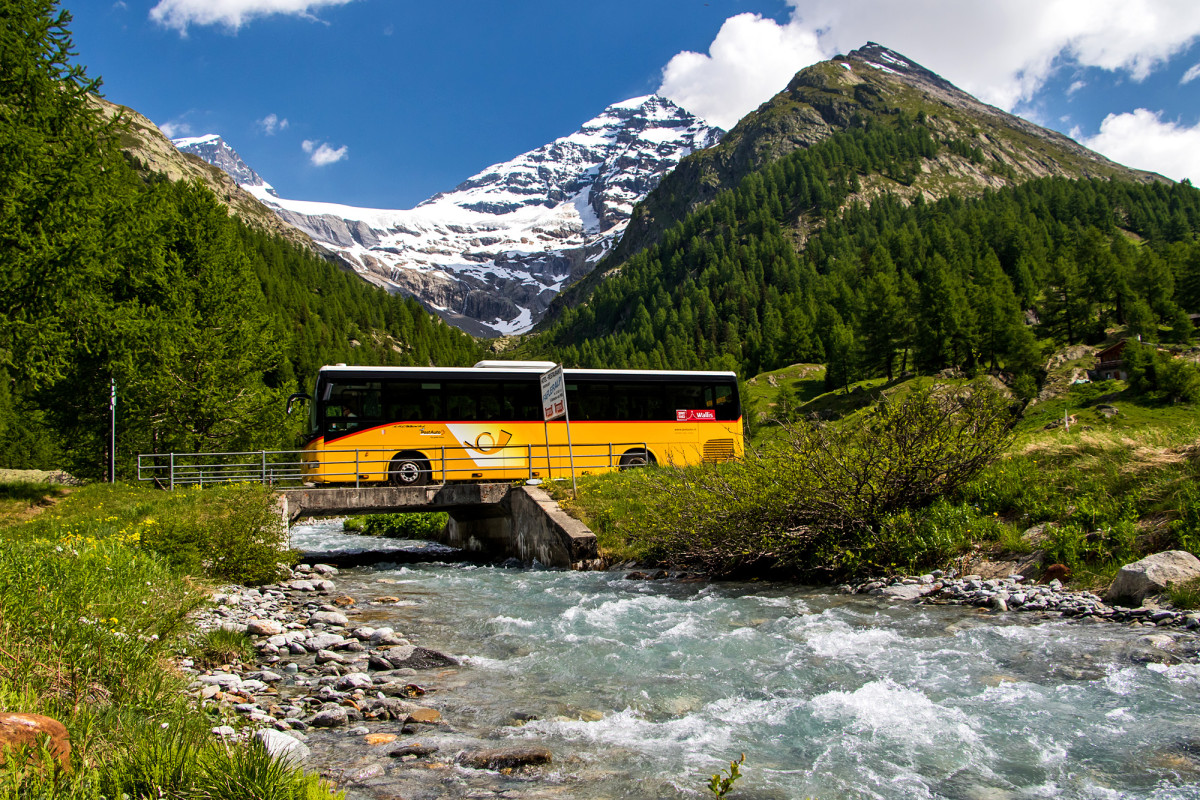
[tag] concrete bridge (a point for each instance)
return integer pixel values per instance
(494, 520)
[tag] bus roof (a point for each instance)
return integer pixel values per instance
(522, 370)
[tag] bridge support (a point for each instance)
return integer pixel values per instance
(487, 520)
(526, 525)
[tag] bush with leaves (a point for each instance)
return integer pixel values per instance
(1160, 375)
(827, 487)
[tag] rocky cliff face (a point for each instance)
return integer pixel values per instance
(216, 151)
(154, 152)
(491, 254)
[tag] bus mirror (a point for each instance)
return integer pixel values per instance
(298, 396)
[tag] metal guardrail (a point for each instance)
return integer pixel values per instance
(372, 465)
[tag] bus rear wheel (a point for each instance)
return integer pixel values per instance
(633, 459)
(408, 470)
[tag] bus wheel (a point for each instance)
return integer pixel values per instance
(408, 470)
(636, 458)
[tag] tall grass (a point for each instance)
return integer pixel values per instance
(93, 606)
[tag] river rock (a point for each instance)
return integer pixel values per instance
(283, 747)
(329, 618)
(414, 657)
(355, 680)
(330, 718)
(323, 641)
(264, 627)
(902, 591)
(27, 730)
(505, 757)
(1137, 581)
(414, 749)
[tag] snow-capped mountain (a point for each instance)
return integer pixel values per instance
(216, 151)
(490, 255)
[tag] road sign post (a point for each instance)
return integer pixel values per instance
(554, 405)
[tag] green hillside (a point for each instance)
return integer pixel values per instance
(111, 274)
(896, 284)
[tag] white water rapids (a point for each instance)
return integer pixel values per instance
(642, 689)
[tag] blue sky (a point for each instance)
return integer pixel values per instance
(388, 101)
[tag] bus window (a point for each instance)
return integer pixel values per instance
(461, 401)
(522, 401)
(491, 406)
(588, 401)
(723, 398)
(431, 403)
(352, 406)
(690, 397)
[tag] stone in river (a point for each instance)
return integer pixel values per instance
(413, 657)
(428, 716)
(505, 757)
(376, 661)
(330, 718)
(1151, 575)
(414, 749)
(323, 641)
(380, 738)
(902, 592)
(283, 747)
(355, 680)
(329, 618)
(327, 656)
(263, 627)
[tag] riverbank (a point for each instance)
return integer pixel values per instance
(96, 589)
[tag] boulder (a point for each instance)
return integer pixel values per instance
(902, 592)
(505, 757)
(282, 747)
(413, 657)
(27, 730)
(1137, 581)
(264, 627)
(329, 618)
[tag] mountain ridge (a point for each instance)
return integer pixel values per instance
(490, 254)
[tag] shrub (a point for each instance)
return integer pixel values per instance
(413, 525)
(221, 646)
(241, 538)
(828, 487)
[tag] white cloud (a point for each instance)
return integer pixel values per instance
(1143, 140)
(1075, 87)
(175, 128)
(750, 60)
(272, 123)
(1000, 52)
(1191, 75)
(179, 14)
(322, 154)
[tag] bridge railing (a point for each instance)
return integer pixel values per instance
(366, 466)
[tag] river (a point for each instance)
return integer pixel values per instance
(641, 689)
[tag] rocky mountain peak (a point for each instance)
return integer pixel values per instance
(216, 151)
(491, 254)
(889, 61)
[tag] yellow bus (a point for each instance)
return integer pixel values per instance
(411, 426)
